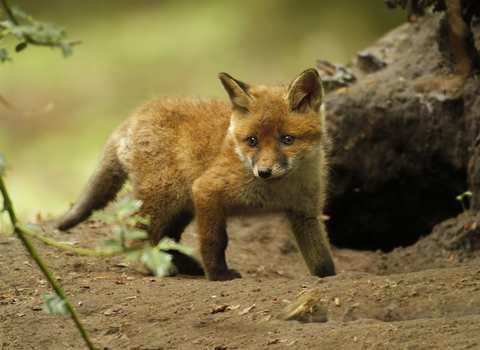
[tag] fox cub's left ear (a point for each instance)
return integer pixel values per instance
(306, 92)
(238, 93)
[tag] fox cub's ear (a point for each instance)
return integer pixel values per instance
(237, 91)
(306, 92)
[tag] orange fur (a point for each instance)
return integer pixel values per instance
(208, 159)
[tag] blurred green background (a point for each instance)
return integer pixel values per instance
(133, 51)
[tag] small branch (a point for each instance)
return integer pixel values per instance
(9, 12)
(66, 247)
(28, 38)
(32, 41)
(48, 274)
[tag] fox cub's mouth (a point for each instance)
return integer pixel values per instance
(271, 180)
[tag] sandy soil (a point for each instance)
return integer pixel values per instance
(421, 297)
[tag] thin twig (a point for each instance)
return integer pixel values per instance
(9, 12)
(7, 204)
(48, 274)
(32, 41)
(31, 112)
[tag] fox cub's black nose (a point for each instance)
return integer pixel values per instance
(264, 172)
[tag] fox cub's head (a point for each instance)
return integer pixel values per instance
(276, 130)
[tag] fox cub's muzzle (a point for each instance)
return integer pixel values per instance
(269, 174)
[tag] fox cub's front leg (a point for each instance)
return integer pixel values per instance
(312, 241)
(212, 229)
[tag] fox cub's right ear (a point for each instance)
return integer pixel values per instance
(306, 92)
(238, 93)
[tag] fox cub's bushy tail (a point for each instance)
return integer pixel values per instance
(102, 188)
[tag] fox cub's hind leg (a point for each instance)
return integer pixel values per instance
(186, 265)
(102, 188)
(312, 241)
(165, 222)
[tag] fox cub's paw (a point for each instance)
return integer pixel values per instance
(187, 265)
(325, 270)
(225, 275)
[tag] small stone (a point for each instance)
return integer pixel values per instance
(108, 312)
(215, 308)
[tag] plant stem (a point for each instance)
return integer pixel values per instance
(32, 41)
(464, 209)
(48, 274)
(7, 204)
(9, 12)
(66, 247)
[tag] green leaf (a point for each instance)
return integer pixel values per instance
(124, 233)
(135, 234)
(8, 24)
(66, 48)
(169, 244)
(133, 254)
(159, 262)
(17, 32)
(137, 219)
(4, 55)
(44, 32)
(21, 46)
(109, 245)
(55, 304)
(128, 206)
(34, 227)
(19, 13)
(3, 163)
(467, 193)
(101, 215)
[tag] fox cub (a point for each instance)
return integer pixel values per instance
(264, 152)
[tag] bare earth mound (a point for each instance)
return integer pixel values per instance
(424, 296)
(437, 307)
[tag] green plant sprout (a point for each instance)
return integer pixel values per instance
(127, 221)
(461, 197)
(126, 217)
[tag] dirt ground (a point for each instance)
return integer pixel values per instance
(425, 296)
(421, 297)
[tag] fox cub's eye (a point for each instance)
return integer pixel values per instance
(252, 141)
(288, 140)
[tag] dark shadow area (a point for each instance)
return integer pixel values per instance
(395, 213)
